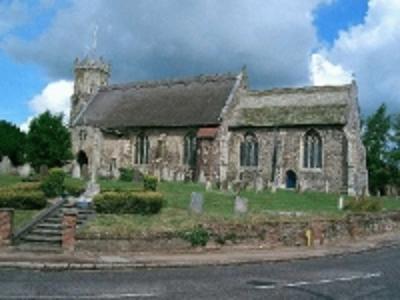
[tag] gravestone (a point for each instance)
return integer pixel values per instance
(196, 203)
(340, 203)
(259, 184)
(43, 171)
(76, 171)
(208, 185)
(241, 205)
(24, 170)
(5, 165)
(85, 171)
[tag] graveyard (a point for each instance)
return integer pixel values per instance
(179, 213)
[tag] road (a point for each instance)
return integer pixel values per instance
(370, 275)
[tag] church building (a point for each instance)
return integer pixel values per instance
(213, 128)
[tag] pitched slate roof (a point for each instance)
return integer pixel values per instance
(326, 105)
(196, 101)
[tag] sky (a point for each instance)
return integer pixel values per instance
(283, 43)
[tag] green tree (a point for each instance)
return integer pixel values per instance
(376, 139)
(48, 141)
(394, 157)
(12, 142)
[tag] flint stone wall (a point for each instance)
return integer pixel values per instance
(267, 234)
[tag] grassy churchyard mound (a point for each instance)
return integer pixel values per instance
(176, 219)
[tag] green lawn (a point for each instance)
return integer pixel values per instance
(21, 217)
(218, 207)
(7, 180)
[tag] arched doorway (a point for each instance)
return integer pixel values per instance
(291, 179)
(83, 162)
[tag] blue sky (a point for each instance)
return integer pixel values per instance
(39, 40)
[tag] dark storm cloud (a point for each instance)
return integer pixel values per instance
(149, 39)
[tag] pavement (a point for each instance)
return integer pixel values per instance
(227, 255)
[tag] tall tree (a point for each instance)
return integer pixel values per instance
(12, 142)
(394, 158)
(376, 140)
(48, 141)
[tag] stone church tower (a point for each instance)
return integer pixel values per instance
(90, 75)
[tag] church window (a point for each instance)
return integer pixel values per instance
(190, 148)
(249, 151)
(142, 149)
(312, 150)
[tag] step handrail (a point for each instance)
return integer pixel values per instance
(39, 217)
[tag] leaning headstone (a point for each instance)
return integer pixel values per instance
(241, 205)
(24, 170)
(196, 203)
(76, 171)
(5, 165)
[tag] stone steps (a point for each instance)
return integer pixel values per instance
(47, 234)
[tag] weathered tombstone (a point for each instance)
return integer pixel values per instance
(76, 171)
(208, 185)
(259, 184)
(340, 203)
(241, 205)
(196, 203)
(5, 165)
(85, 171)
(24, 170)
(43, 171)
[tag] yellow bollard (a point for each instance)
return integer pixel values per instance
(309, 236)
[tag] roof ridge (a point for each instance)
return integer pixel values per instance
(310, 88)
(171, 81)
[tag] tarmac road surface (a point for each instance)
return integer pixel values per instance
(369, 275)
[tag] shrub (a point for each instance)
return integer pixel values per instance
(144, 203)
(22, 199)
(126, 174)
(198, 236)
(150, 183)
(53, 184)
(364, 205)
(27, 186)
(74, 186)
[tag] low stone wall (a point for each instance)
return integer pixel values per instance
(6, 225)
(271, 234)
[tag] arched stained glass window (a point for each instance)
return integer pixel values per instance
(249, 151)
(312, 154)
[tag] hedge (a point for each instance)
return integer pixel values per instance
(150, 183)
(74, 186)
(22, 199)
(144, 203)
(53, 184)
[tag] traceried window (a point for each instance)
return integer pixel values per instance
(312, 150)
(142, 149)
(249, 151)
(190, 149)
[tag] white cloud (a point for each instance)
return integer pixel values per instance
(273, 38)
(371, 50)
(25, 126)
(55, 97)
(323, 72)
